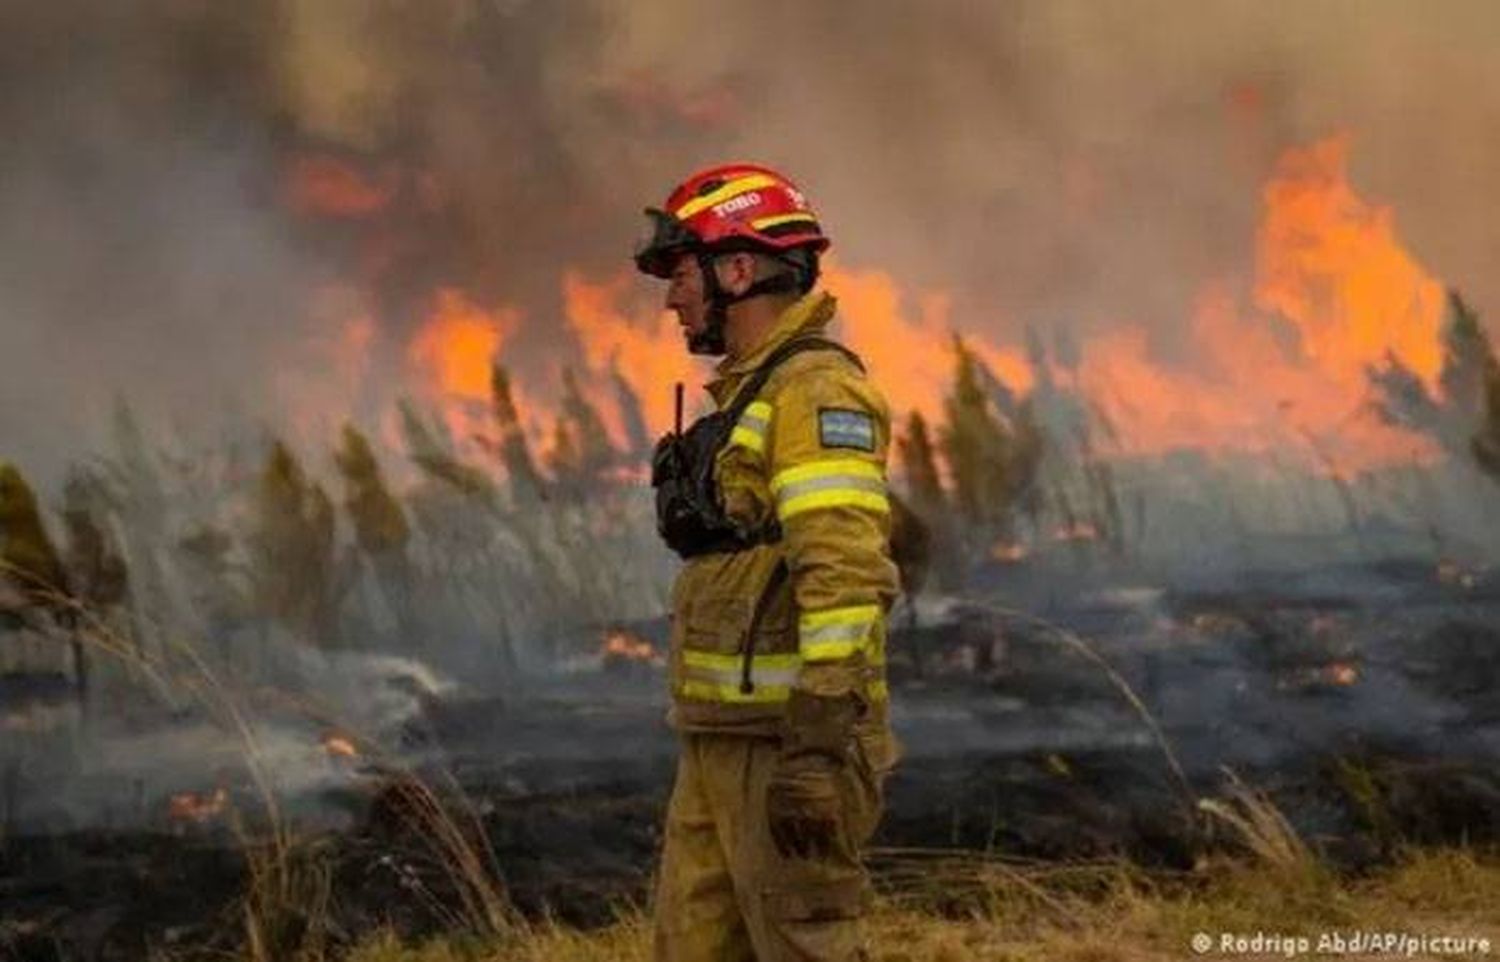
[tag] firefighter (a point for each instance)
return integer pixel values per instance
(777, 502)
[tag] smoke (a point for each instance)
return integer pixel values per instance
(1043, 162)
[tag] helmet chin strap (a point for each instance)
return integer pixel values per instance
(711, 341)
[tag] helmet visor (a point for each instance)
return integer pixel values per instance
(666, 238)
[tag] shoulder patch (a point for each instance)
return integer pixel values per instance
(846, 428)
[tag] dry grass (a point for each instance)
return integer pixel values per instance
(285, 908)
(1086, 913)
(936, 906)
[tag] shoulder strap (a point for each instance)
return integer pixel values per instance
(761, 374)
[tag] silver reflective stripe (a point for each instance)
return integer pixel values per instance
(837, 633)
(832, 482)
(754, 423)
(758, 675)
(849, 631)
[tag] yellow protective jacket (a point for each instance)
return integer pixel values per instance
(810, 451)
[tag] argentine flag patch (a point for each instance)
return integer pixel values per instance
(843, 428)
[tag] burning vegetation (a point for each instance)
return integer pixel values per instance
(1193, 472)
(504, 502)
(197, 808)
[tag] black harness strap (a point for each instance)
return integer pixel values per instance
(758, 378)
(742, 400)
(745, 396)
(778, 574)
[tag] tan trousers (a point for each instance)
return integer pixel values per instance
(724, 894)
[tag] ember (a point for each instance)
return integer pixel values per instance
(1009, 552)
(197, 808)
(339, 746)
(1314, 678)
(623, 646)
(1340, 673)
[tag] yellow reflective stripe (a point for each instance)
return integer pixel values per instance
(835, 643)
(763, 694)
(717, 676)
(731, 694)
(824, 469)
(750, 431)
(726, 671)
(708, 659)
(748, 439)
(839, 498)
(835, 649)
(849, 614)
(759, 677)
(836, 633)
(714, 661)
(780, 219)
(732, 189)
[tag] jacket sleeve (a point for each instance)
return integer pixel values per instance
(826, 460)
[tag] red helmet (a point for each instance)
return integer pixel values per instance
(728, 208)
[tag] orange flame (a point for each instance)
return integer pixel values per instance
(1331, 263)
(455, 350)
(1333, 274)
(647, 350)
(1280, 363)
(458, 344)
(910, 355)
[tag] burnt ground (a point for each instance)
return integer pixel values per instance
(1364, 701)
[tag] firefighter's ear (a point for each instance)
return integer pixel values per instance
(736, 272)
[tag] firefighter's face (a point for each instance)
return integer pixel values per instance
(686, 296)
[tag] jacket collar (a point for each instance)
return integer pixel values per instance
(811, 314)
